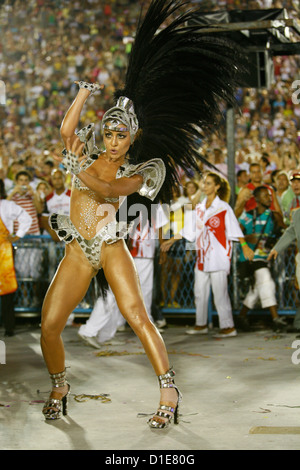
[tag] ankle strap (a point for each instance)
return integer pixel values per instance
(166, 380)
(58, 380)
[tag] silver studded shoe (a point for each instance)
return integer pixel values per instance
(164, 411)
(57, 404)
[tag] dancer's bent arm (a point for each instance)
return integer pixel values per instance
(111, 189)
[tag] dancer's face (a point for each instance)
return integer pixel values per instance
(116, 143)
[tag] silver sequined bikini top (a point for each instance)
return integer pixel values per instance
(153, 171)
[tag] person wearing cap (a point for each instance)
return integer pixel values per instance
(289, 236)
(295, 184)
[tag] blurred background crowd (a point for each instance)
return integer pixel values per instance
(47, 45)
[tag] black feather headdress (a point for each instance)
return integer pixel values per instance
(177, 79)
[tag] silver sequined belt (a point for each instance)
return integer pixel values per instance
(110, 233)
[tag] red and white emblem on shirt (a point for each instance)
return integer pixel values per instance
(214, 222)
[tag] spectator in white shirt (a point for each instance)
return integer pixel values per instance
(9, 213)
(213, 227)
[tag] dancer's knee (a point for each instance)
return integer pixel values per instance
(49, 333)
(50, 327)
(138, 320)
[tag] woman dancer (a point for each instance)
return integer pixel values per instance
(94, 245)
(153, 127)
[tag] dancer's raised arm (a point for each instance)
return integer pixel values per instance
(71, 119)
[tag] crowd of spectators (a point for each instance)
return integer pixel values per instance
(46, 45)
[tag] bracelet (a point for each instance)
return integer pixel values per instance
(244, 243)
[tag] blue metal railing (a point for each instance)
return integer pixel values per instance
(37, 257)
(181, 272)
(36, 260)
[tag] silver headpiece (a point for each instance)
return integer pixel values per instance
(122, 113)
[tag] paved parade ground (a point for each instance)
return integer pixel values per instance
(239, 393)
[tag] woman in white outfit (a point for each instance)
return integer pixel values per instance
(213, 227)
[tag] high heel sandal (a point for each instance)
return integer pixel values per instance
(165, 411)
(54, 406)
